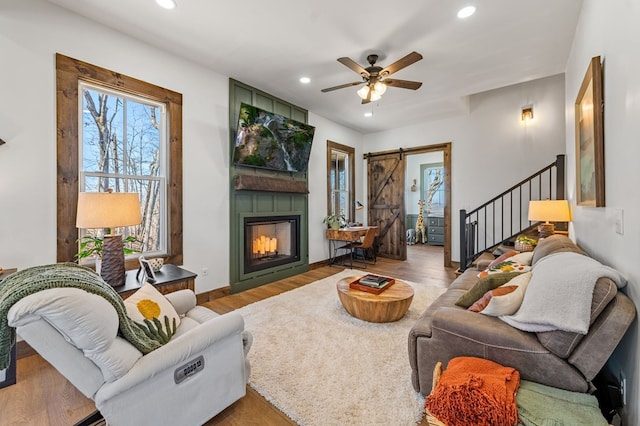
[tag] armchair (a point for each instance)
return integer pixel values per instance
(198, 373)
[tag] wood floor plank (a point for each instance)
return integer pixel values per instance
(42, 396)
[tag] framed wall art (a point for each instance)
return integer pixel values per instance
(590, 138)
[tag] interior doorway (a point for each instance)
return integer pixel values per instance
(389, 186)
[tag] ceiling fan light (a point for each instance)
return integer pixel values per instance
(363, 92)
(380, 88)
(375, 96)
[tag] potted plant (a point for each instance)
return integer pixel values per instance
(335, 221)
(92, 245)
(524, 243)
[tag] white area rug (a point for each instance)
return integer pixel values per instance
(321, 366)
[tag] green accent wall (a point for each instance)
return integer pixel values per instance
(259, 203)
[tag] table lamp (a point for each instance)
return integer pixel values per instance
(548, 211)
(109, 210)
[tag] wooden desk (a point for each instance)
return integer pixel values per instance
(169, 279)
(348, 235)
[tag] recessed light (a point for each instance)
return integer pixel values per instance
(465, 12)
(305, 80)
(368, 114)
(167, 4)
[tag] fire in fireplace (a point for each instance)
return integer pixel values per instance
(270, 241)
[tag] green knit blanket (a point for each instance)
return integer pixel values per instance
(38, 278)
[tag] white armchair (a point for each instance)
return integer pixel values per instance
(201, 371)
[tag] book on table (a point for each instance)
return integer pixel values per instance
(376, 281)
(378, 288)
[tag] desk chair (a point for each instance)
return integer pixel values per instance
(366, 247)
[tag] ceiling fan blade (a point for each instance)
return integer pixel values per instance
(401, 63)
(366, 101)
(350, 63)
(342, 86)
(403, 84)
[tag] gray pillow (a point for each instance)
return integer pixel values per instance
(554, 244)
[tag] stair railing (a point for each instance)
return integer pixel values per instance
(506, 215)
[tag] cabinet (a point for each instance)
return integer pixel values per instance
(435, 230)
(169, 279)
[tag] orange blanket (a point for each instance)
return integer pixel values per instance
(475, 392)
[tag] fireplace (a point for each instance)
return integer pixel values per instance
(270, 241)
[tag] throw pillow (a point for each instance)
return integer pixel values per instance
(508, 265)
(502, 258)
(504, 300)
(153, 313)
(482, 286)
(524, 257)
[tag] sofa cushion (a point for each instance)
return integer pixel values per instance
(554, 244)
(149, 307)
(562, 343)
(482, 286)
(504, 300)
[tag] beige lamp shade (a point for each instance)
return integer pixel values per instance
(108, 209)
(549, 211)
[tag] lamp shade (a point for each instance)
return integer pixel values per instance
(549, 211)
(108, 209)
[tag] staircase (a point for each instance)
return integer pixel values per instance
(505, 216)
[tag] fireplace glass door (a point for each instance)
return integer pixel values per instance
(270, 241)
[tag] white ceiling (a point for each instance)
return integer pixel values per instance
(271, 44)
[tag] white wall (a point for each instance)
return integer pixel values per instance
(31, 33)
(610, 30)
(492, 148)
(327, 130)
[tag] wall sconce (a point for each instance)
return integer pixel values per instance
(359, 205)
(527, 113)
(2, 142)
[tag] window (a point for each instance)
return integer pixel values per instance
(129, 140)
(433, 190)
(340, 180)
(122, 148)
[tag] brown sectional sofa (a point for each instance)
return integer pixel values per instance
(555, 358)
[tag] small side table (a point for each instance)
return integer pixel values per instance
(8, 376)
(169, 279)
(388, 306)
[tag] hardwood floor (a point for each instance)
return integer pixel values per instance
(42, 396)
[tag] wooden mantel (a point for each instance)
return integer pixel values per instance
(269, 184)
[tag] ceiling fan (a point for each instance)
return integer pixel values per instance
(375, 76)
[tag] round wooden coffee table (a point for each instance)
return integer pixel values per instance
(390, 305)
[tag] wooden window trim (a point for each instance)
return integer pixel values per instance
(69, 72)
(352, 176)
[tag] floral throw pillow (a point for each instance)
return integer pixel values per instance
(508, 265)
(504, 300)
(153, 313)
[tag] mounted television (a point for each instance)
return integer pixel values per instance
(270, 141)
